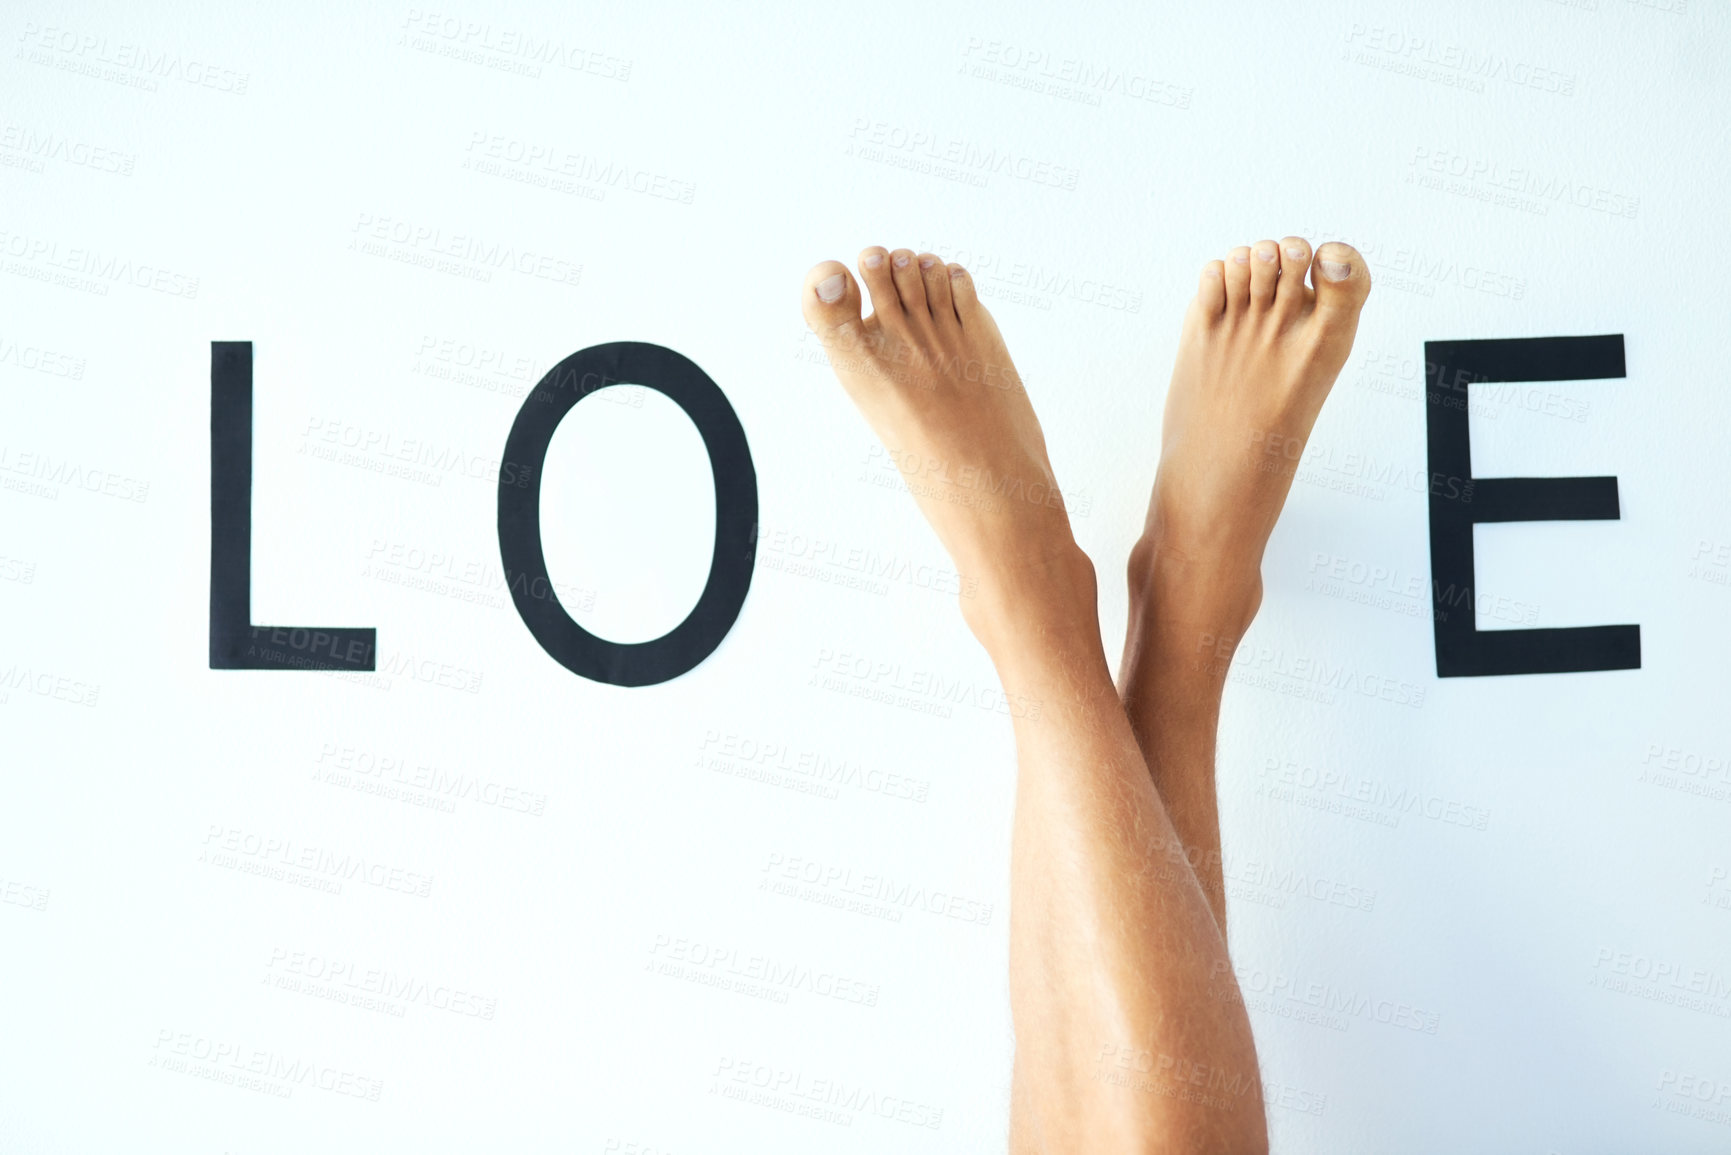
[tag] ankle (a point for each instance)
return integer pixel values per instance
(1040, 601)
(1187, 600)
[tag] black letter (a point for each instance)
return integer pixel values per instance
(1462, 649)
(694, 639)
(235, 643)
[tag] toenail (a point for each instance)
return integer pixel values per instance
(927, 262)
(1266, 254)
(1336, 270)
(1296, 252)
(957, 271)
(830, 289)
(1211, 271)
(901, 262)
(1238, 260)
(874, 260)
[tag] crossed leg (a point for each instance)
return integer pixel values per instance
(1130, 1032)
(1258, 353)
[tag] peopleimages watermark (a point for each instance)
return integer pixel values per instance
(927, 475)
(1356, 796)
(730, 968)
(922, 691)
(544, 164)
(1267, 884)
(1120, 1064)
(285, 859)
(503, 48)
(396, 777)
(46, 684)
(1382, 586)
(462, 254)
(1454, 65)
(1066, 77)
(1695, 1095)
(229, 1062)
(1025, 282)
(122, 62)
(47, 473)
(804, 769)
(1266, 666)
(924, 150)
(89, 269)
(344, 980)
(822, 1097)
(785, 873)
(1280, 451)
(40, 360)
(839, 562)
(1513, 186)
(1320, 1003)
(34, 148)
(1673, 767)
(1668, 981)
(25, 895)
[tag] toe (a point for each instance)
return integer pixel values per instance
(1264, 272)
(1292, 294)
(874, 270)
(963, 297)
(831, 300)
(936, 278)
(1238, 278)
(910, 285)
(1341, 280)
(1211, 292)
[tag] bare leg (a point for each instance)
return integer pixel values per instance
(1259, 352)
(1129, 1032)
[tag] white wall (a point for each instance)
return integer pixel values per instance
(1568, 841)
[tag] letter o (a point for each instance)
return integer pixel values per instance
(692, 640)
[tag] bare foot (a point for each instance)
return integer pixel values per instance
(929, 371)
(1258, 355)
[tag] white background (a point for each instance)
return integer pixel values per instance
(1507, 861)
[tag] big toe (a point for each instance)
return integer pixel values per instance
(1341, 280)
(831, 302)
